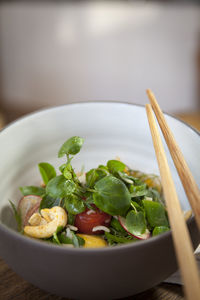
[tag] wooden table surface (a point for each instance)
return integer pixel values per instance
(13, 287)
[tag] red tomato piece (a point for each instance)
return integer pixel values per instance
(89, 219)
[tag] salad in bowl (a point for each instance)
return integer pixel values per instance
(121, 206)
(107, 206)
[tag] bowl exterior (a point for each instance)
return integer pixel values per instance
(100, 274)
(109, 129)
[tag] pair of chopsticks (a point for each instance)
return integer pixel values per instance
(180, 234)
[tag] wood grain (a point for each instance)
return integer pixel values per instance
(192, 118)
(180, 234)
(2, 120)
(187, 179)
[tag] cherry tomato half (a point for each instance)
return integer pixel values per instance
(89, 219)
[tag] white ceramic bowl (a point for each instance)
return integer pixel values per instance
(109, 129)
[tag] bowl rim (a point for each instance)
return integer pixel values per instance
(49, 246)
(45, 109)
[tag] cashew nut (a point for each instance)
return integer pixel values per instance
(36, 220)
(54, 217)
(46, 214)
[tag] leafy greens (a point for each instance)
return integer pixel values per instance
(112, 188)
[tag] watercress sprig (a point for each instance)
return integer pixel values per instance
(112, 188)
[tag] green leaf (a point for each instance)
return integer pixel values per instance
(62, 167)
(137, 206)
(67, 174)
(55, 238)
(138, 190)
(32, 190)
(117, 226)
(64, 239)
(113, 239)
(81, 241)
(89, 201)
(102, 167)
(94, 175)
(155, 213)
(67, 166)
(17, 216)
(71, 146)
(115, 165)
(59, 229)
(47, 171)
(74, 205)
(135, 222)
(126, 178)
(77, 240)
(70, 219)
(91, 178)
(112, 196)
(159, 230)
(155, 195)
(49, 202)
(59, 187)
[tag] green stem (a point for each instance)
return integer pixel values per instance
(67, 157)
(133, 206)
(90, 190)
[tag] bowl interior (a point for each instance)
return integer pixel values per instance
(110, 130)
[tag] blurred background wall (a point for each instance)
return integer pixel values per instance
(53, 53)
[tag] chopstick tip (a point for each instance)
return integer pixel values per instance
(149, 93)
(151, 96)
(148, 107)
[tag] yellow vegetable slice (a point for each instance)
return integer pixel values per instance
(92, 241)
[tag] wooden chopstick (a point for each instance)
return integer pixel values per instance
(189, 184)
(180, 234)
